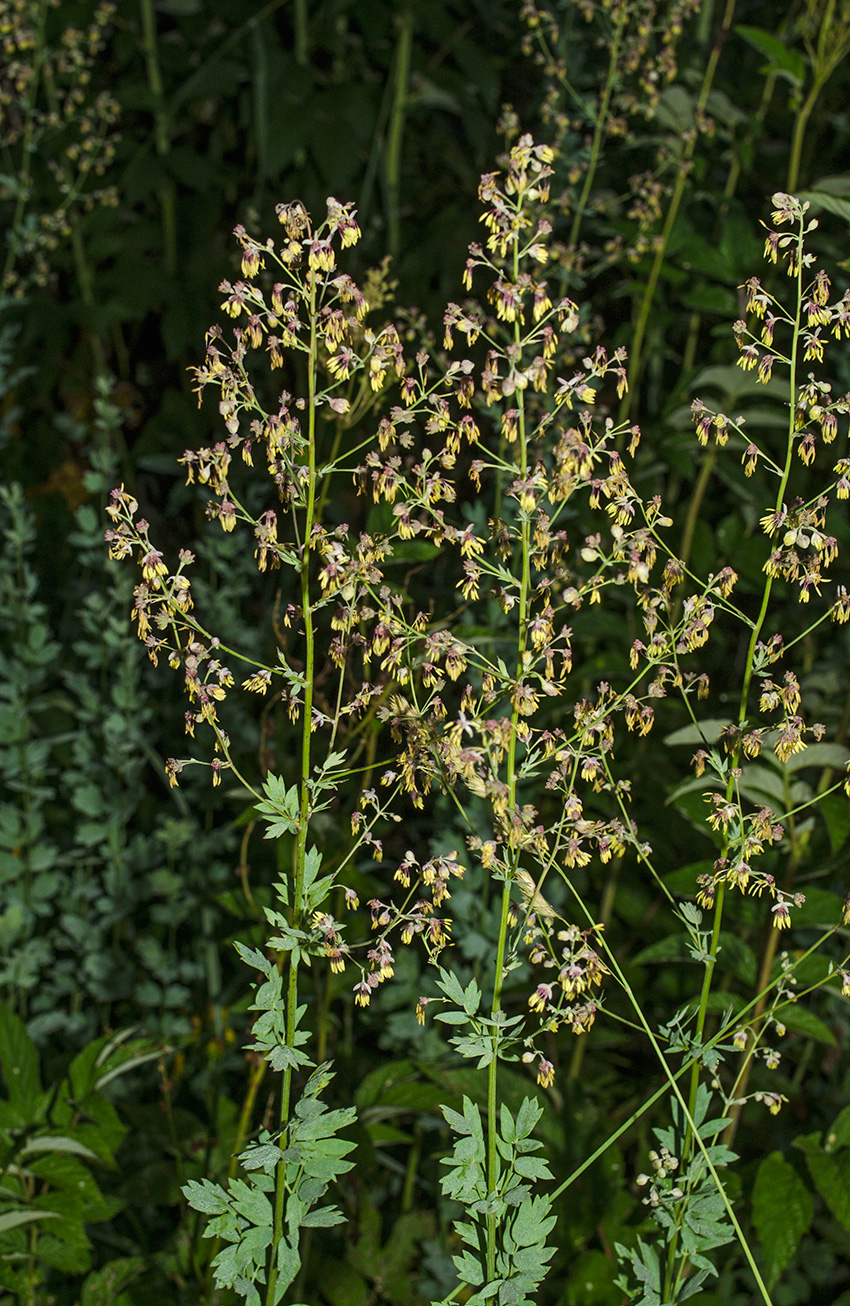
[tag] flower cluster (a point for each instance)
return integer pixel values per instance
(463, 720)
(568, 999)
(664, 1190)
(45, 96)
(747, 836)
(644, 38)
(318, 312)
(801, 548)
(416, 918)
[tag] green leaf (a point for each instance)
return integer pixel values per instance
(342, 1285)
(451, 986)
(456, 1121)
(469, 1269)
(531, 1167)
(738, 957)
(390, 1078)
(835, 185)
(323, 1218)
(53, 1143)
(821, 908)
(527, 1117)
(825, 755)
(11, 1219)
(592, 1281)
(806, 1022)
(288, 1263)
(835, 810)
(838, 1135)
(312, 863)
(471, 998)
(675, 108)
(206, 1196)
(256, 959)
(831, 203)
(675, 947)
(452, 1017)
(782, 58)
(532, 1223)
(89, 800)
(261, 1157)
(103, 1286)
(782, 1212)
(831, 1175)
(708, 731)
(116, 1060)
(254, 1205)
(20, 1065)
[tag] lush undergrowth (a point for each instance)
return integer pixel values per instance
(445, 898)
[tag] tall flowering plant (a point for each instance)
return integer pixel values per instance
(315, 314)
(482, 706)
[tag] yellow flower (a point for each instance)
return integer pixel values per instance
(545, 1073)
(540, 997)
(782, 921)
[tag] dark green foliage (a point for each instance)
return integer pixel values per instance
(56, 1143)
(131, 1038)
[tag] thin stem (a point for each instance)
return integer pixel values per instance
(742, 716)
(599, 127)
(302, 50)
(162, 135)
(636, 351)
(800, 124)
(501, 947)
(686, 1110)
(396, 132)
(695, 504)
(819, 75)
(304, 814)
(86, 284)
(605, 911)
(27, 142)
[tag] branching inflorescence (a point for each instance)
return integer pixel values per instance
(492, 722)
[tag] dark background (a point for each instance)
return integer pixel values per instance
(120, 897)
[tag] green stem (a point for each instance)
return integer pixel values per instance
(408, 1195)
(695, 505)
(162, 135)
(831, 49)
(396, 132)
(687, 1111)
(606, 909)
(768, 958)
(154, 76)
(636, 353)
(301, 41)
(800, 124)
(86, 284)
(687, 1065)
(757, 628)
(732, 179)
(501, 947)
(304, 814)
(27, 148)
(599, 127)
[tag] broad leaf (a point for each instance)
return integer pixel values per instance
(782, 1212)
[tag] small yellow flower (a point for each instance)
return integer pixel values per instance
(540, 997)
(782, 921)
(545, 1073)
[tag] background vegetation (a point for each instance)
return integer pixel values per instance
(135, 137)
